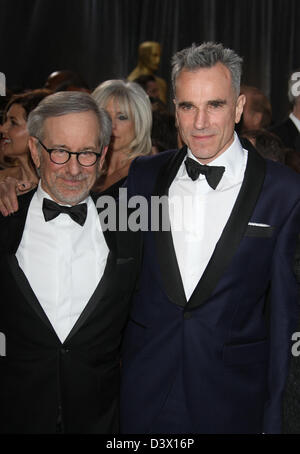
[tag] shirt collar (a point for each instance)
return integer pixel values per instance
(233, 159)
(295, 120)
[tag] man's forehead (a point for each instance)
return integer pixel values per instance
(216, 78)
(72, 117)
(86, 119)
(81, 128)
(217, 70)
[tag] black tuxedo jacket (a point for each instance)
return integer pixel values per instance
(47, 386)
(288, 133)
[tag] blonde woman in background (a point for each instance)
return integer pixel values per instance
(131, 114)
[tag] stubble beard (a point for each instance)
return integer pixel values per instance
(65, 196)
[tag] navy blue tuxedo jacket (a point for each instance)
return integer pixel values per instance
(218, 362)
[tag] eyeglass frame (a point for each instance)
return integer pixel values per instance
(50, 150)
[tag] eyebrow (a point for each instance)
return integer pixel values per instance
(68, 148)
(185, 103)
(220, 102)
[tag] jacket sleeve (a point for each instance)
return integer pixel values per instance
(284, 318)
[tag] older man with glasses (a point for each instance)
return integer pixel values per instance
(62, 313)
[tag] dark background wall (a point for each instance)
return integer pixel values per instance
(99, 38)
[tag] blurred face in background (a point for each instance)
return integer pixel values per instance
(152, 89)
(123, 131)
(14, 132)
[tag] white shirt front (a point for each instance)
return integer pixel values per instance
(198, 213)
(62, 261)
(295, 120)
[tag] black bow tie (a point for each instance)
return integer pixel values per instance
(213, 174)
(77, 212)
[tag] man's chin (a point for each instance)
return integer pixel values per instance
(71, 197)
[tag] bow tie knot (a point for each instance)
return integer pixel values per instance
(213, 174)
(52, 209)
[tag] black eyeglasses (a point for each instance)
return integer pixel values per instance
(61, 156)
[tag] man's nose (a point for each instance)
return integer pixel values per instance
(201, 119)
(73, 165)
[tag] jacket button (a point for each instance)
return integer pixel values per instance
(64, 351)
(187, 315)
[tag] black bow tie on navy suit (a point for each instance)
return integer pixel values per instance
(213, 174)
(77, 212)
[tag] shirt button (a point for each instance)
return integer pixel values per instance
(187, 315)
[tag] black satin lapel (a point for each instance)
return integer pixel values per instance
(27, 291)
(15, 223)
(234, 229)
(297, 142)
(168, 264)
(110, 238)
(121, 244)
(168, 172)
(96, 297)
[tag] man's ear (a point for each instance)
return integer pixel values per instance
(102, 159)
(32, 143)
(239, 107)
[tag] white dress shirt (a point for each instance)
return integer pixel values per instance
(198, 213)
(295, 120)
(62, 261)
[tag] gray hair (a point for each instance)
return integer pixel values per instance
(294, 86)
(134, 101)
(207, 55)
(67, 102)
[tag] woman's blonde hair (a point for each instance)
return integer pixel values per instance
(135, 103)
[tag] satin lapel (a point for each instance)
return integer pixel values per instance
(234, 230)
(164, 243)
(292, 130)
(121, 245)
(14, 225)
(11, 239)
(96, 297)
(101, 287)
(26, 290)
(294, 134)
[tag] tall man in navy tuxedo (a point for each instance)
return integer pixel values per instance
(208, 345)
(65, 282)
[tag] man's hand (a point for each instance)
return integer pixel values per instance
(10, 188)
